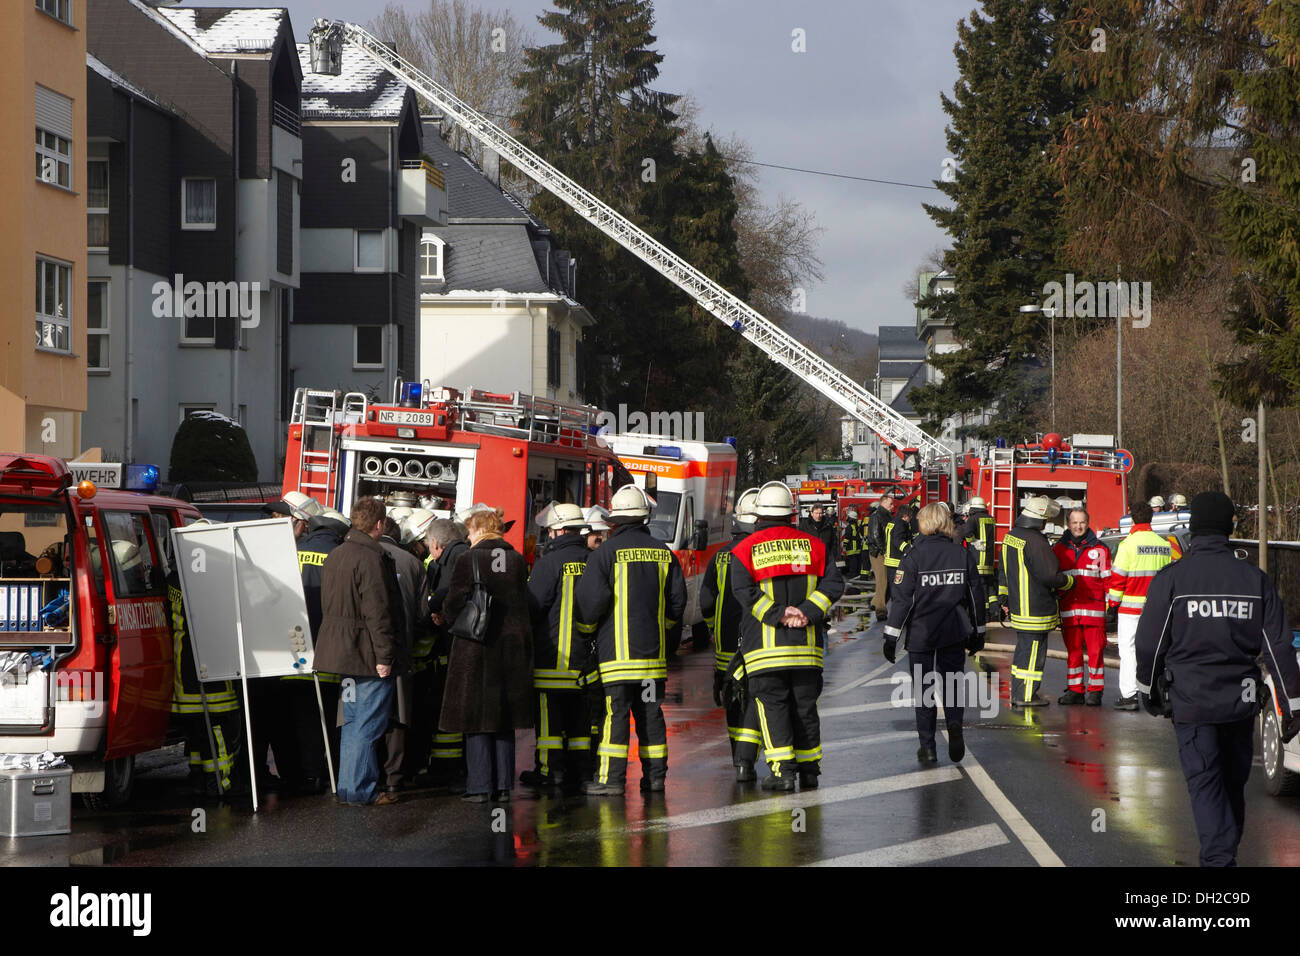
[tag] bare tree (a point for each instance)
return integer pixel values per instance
(472, 52)
(931, 262)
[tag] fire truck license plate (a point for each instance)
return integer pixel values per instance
(402, 416)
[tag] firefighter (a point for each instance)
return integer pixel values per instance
(1156, 504)
(852, 546)
(424, 721)
(297, 507)
(881, 515)
(187, 700)
(786, 583)
(1209, 618)
(560, 653)
(898, 534)
(1086, 560)
(597, 534)
(634, 588)
(1177, 502)
(939, 602)
(722, 611)
(1137, 559)
(980, 533)
(1028, 577)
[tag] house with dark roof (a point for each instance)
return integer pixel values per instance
(939, 338)
(498, 297)
(367, 194)
(194, 157)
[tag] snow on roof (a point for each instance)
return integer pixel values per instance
(117, 79)
(153, 14)
(363, 89)
(226, 29)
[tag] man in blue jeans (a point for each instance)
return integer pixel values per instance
(363, 638)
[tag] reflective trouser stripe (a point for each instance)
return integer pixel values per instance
(809, 756)
(607, 749)
(774, 755)
(225, 760)
(743, 735)
(447, 747)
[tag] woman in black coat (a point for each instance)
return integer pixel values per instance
(490, 685)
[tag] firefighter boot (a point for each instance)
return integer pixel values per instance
(745, 771)
(781, 779)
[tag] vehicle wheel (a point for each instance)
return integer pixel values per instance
(1278, 781)
(119, 782)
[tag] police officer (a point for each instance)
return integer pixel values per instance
(981, 536)
(560, 657)
(1208, 618)
(721, 609)
(881, 515)
(634, 587)
(785, 582)
(898, 535)
(1028, 578)
(938, 603)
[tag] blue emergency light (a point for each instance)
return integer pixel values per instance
(141, 478)
(668, 451)
(411, 392)
(730, 440)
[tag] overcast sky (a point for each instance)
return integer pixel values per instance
(863, 100)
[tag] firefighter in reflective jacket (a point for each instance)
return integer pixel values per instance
(1208, 620)
(187, 701)
(851, 545)
(938, 605)
(560, 655)
(721, 609)
(1137, 560)
(1028, 577)
(981, 536)
(786, 583)
(634, 587)
(898, 534)
(1086, 561)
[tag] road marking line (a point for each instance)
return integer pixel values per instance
(868, 740)
(926, 850)
(863, 708)
(860, 681)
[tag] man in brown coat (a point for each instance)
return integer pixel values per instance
(362, 637)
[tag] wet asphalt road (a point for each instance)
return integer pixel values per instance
(1062, 785)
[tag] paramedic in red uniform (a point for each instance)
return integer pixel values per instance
(1084, 558)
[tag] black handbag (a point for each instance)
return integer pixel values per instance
(471, 622)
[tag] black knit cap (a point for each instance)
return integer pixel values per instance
(1212, 513)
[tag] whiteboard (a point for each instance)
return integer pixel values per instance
(252, 566)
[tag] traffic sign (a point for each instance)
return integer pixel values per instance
(1125, 459)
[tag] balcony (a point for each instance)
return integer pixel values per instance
(422, 193)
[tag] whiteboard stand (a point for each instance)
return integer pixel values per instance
(212, 741)
(243, 673)
(325, 733)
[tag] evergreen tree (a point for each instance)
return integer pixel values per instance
(1007, 111)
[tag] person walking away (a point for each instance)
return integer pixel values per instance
(851, 542)
(361, 638)
(1209, 619)
(898, 535)
(1083, 557)
(634, 589)
(881, 515)
(938, 607)
(785, 583)
(1137, 560)
(489, 684)
(981, 535)
(721, 609)
(1028, 579)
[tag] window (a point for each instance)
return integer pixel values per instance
(188, 410)
(53, 138)
(59, 9)
(368, 349)
(552, 357)
(135, 572)
(97, 203)
(53, 305)
(198, 203)
(370, 250)
(97, 325)
(431, 258)
(199, 330)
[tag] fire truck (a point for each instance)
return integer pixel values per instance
(447, 449)
(693, 484)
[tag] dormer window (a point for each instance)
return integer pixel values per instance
(431, 249)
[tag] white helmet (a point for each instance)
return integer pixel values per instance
(595, 518)
(127, 554)
(977, 502)
(1041, 507)
(1157, 502)
(565, 515)
(853, 513)
(300, 507)
(1178, 501)
(330, 516)
(946, 507)
(629, 502)
(745, 506)
(416, 524)
(400, 513)
(774, 500)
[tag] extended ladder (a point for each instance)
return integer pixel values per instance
(319, 412)
(1003, 505)
(884, 421)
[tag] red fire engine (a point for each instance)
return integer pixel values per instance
(449, 450)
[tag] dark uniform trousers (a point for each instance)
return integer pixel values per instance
(447, 755)
(563, 734)
(424, 722)
(994, 608)
(651, 730)
(942, 662)
(1216, 761)
(1027, 664)
(786, 701)
(302, 744)
(743, 731)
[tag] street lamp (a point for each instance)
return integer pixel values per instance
(1051, 315)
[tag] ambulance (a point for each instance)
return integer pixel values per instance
(86, 663)
(693, 485)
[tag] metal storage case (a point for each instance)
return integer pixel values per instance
(35, 802)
